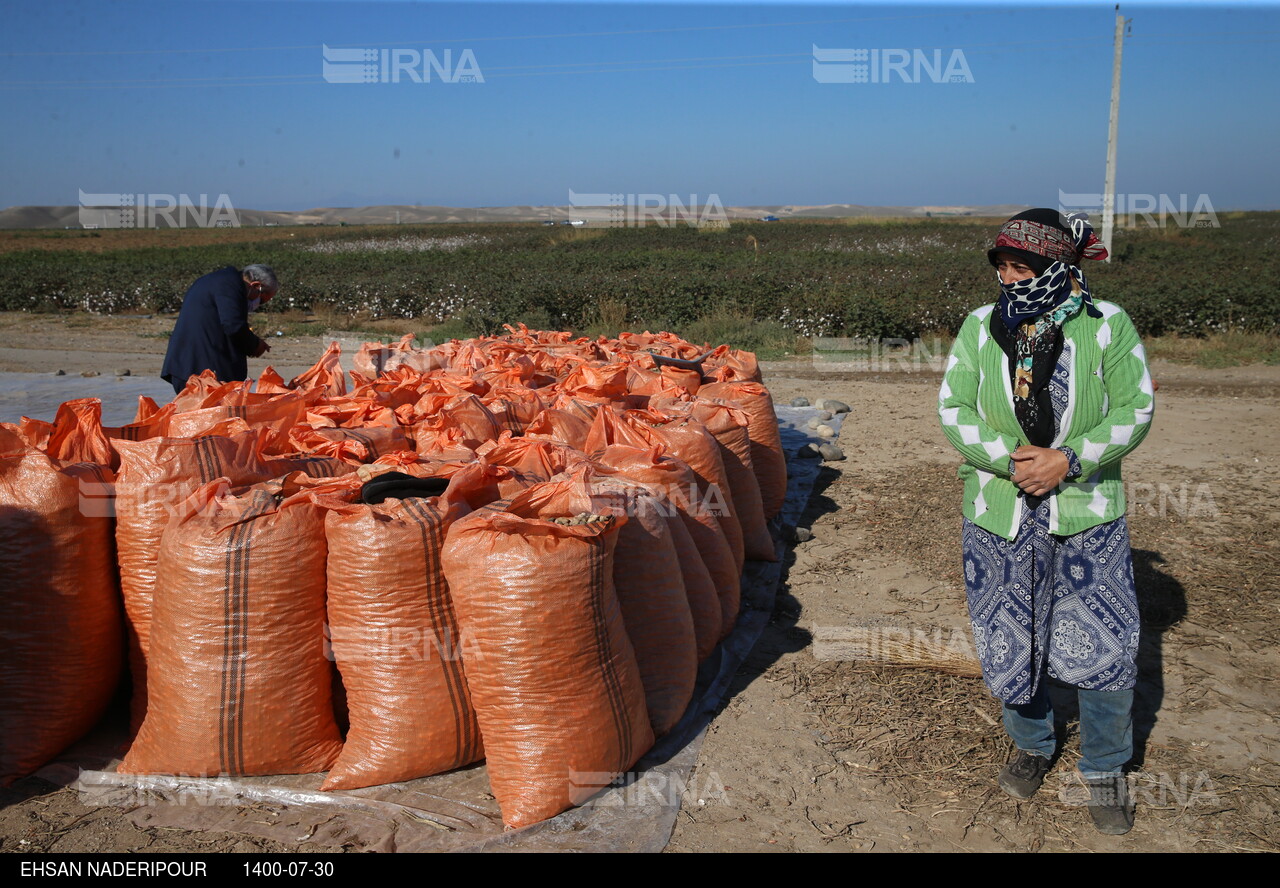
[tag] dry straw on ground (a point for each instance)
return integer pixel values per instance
(933, 739)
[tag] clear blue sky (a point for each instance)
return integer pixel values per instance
(185, 96)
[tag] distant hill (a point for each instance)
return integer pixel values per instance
(70, 216)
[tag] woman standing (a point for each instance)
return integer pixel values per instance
(1044, 393)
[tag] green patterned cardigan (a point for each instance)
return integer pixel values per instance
(1109, 409)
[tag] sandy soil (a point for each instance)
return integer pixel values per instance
(818, 750)
(820, 753)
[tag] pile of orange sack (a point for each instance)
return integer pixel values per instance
(514, 548)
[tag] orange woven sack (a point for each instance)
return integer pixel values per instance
(552, 673)
(442, 447)
(526, 371)
(700, 588)
(532, 460)
(596, 383)
(325, 377)
(271, 383)
(514, 407)
(62, 637)
(436, 412)
(725, 364)
(395, 638)
(150, 422)
(33, 432)
(156, 477)
(395, 389)
(377, 358)
(357, 446)
(558, 425)
(644, 380)
(455, 382)
(672, 346)
(578, 407)
(767, 458)
(687, 378)
(728, 424)
(351, 413)
(309, 464)
(199, 389)
(239, 682)
(650, 587)
(279, 415)
(77, 434)
(147, 410)
(689, 441)
(673, 482)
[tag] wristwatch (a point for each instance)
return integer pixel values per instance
(1073, 463)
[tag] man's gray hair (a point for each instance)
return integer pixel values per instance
(264, 275)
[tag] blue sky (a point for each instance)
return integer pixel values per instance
(191, 97)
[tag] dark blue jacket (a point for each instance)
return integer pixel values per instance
(212, 332)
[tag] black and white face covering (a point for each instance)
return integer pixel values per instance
(1024, 300)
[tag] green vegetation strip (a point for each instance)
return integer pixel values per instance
(772, 288)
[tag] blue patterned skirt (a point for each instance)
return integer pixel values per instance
(1062, 605)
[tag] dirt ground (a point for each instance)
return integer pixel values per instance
(85, 344)
(820, 752)
(858, 724)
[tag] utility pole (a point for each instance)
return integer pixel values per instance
(1109, 190)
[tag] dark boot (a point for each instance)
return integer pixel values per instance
(1110, 805)
(1023, 776)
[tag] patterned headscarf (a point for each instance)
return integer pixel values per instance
(1036, 236)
